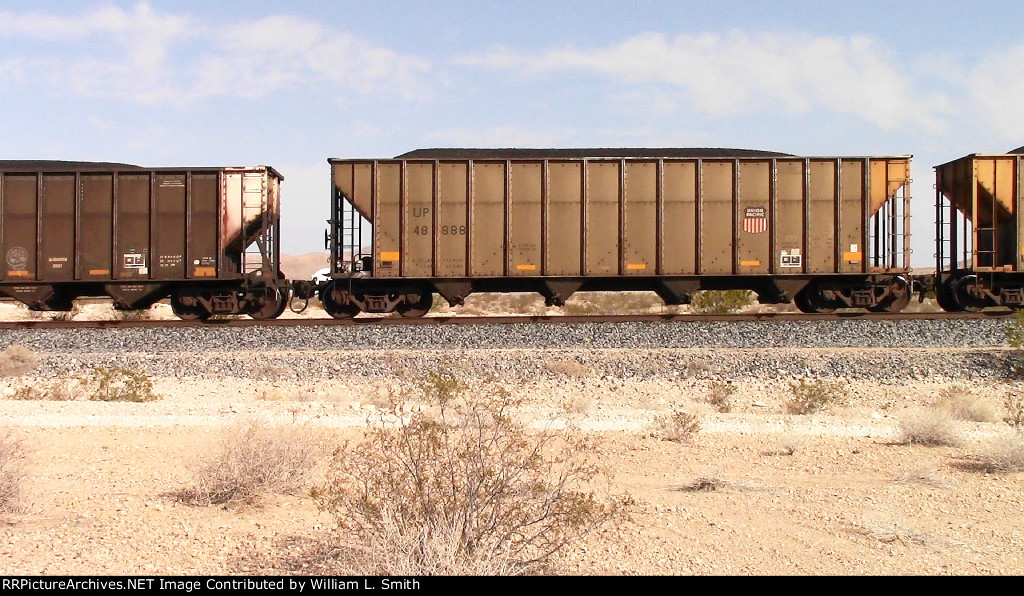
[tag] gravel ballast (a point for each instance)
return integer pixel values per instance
(714, 350)
(520, 365)
(984, 333)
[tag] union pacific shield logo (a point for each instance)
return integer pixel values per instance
(755, 220)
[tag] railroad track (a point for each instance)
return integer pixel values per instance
(506, 320)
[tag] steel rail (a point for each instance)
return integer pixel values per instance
(505, 320)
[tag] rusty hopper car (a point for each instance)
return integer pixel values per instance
(207, 238)
(826, 232)
(979, 232)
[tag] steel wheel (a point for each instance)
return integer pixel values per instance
(190, 312)
(418, 308)
(335, 304)
(800, 301)
(273, 306)
(944, 297)
(897, 300)
(810, 300)
(965, 300)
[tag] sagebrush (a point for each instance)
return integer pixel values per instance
(1015, 337)
(720, 301)
(934, 428)
(59, 389)
(1004, 453)
(1014, 404)
(118, 383)
(115, 383)
(810, 396)
(679, 427)
(253, 460)
(568, 368)
(460, 487)
(17, 360)
(65, 315)
(959, 402)
(720, 396)
(141, 314)
(789, 443)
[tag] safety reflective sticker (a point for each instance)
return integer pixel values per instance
(791, 258)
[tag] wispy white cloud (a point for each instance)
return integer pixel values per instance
(519, 136)
(104, 51)
(140, 22)
(255, 58)
(146, 56)
(497, 136)
(741, 73)
(995, 87)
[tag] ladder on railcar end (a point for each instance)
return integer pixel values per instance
(985, 239)
(889, 236)
(349, 236)
(259, 253)
(944, 242)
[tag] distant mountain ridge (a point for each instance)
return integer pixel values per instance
(305, 265)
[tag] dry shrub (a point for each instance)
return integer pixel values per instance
(679, 427)
(720, 396)
(253, 460)
(579, 306)
(789, 443)
(439, 305)
(1004, 453)
(17, 360)
(958, 401)
(697, 368)
(810, 396)
(269, 371)
(463, 488)
(1014, 410)
(887, 530)
(292, 395)
(118, 383)
(12, 472)
(704, 484)
(66, 315)
(140, 314)
(973, 409)
(60, 389)
(569, 368)
(712, 481)
(1015, 330)
(32, 392)
(511, 303)
(933, 428)
(612, 303)
(922, 474)
(101, 384)
(720, 302)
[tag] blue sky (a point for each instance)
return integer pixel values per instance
(291, 84)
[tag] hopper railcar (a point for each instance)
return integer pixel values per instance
(824, 232)
(979, 232)
(206, 238)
